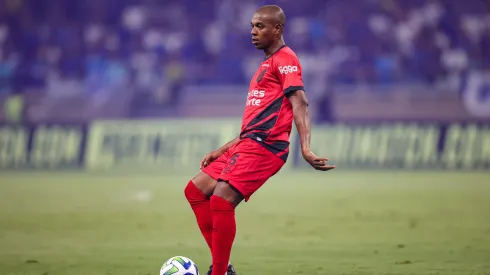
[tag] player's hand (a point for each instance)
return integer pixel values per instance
(210, 158)
(317, 162)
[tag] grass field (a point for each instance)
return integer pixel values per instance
(336, 223)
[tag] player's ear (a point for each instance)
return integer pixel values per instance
(278, 30)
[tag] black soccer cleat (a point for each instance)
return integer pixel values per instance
(230, 271)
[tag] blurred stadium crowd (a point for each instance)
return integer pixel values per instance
(147, 51)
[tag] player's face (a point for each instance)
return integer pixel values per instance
(263, 31)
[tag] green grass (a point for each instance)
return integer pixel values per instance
(335, 223)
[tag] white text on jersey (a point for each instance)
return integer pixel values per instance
(288, 69)
(254, 96)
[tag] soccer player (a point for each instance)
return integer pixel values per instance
(235, 171)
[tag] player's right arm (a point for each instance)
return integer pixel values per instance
(217, 153)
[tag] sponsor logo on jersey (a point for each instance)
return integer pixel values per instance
(254, 97)
(288, 69)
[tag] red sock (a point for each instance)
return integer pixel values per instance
(200, 204)
(224, 229)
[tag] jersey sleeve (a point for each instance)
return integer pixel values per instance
(289, 72)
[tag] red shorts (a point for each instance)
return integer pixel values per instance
(246, 166)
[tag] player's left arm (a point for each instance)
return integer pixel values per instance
(290, 76)
(303, 125)
(302, 120)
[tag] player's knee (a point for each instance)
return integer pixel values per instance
(193, 194)
(205, 183)
(189, 190)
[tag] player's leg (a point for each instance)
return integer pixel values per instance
(198, 192)
(223, 203)
(247, 170)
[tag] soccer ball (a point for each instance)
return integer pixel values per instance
(179, 265)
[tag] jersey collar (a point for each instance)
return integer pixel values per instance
(283, 46)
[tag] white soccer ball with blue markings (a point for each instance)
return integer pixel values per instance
(179, 265)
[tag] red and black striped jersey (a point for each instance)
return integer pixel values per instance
(268, 115)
